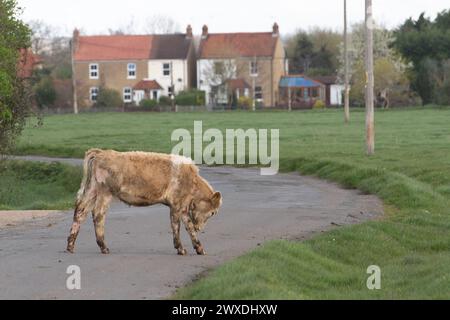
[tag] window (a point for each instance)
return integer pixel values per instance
(127, 95)
(258, 93)
(166, 69)
(315, 92)
(131, 71)
(93, 94)
(254, 68)
(93, 71)
(170, 91)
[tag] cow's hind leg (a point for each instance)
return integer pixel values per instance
(83, 206)
(191, 230)
(176, 223)
(99, 216)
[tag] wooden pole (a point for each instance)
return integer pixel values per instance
(74, 78)
(347, 88)
(370, 122)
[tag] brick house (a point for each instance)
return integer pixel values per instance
(231, 65)
(137, 66)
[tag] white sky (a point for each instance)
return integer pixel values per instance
(96, 16)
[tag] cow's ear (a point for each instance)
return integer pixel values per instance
(216, 199)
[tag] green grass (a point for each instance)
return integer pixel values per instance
(410, 172)
(37, 186)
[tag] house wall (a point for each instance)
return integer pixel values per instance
(280, 69)
(112, 75)
(179, 76)
(336, 91)
(270, 71)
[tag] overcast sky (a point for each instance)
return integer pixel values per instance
(96, 16)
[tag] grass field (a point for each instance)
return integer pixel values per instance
(410, 172)
(37, 186)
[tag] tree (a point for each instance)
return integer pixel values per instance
(314, 52)
(160, 24)
(41, 34)
(389, 68)
(45, 93)
(425, 44)
(14, 94)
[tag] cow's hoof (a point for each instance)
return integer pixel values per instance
(70, 250)
(182, 252)
(105, 251)
(201, 252)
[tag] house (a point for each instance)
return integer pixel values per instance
(298, 91)
(230, 65)
(137, 66)
(334, 90)
(28, 62)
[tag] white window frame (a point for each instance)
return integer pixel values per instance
(93, 92)
(131, 68)
(92, 71)
(254, 68)
(126, 93)
(169, 69)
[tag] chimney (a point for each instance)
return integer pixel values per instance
(75, 39)
(276, 30)
(189, 34)
(205, 32)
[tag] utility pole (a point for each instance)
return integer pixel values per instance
(347, 88)
(370, 122)
(73, 44)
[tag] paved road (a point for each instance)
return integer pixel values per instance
(143, 263)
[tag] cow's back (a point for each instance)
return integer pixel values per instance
(137, 178)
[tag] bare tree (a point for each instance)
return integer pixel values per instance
(129, 28)
(160, 24)
(41, 36)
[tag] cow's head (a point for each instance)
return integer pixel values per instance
(203, 208)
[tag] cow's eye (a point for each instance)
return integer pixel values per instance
(213, 213)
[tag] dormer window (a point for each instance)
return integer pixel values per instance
(93, 71)
(131, 71)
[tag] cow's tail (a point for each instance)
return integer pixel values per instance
(87, 172)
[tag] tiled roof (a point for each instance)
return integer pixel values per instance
(147, 85)
(132, 47)
(238, 84)
(27, 62)
(229, 45)
(326, 79)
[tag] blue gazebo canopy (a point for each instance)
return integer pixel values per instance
(298, 82)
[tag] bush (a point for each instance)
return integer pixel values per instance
(148, 104)
(108, 98)
(45, 93)
(191, 98)
(319, 104)
(245, 102)
(165, 101)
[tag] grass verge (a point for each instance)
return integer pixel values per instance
(37, 186)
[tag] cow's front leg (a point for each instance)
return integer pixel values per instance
(176, 223)
(191, 230)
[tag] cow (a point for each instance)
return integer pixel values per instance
(144, 179)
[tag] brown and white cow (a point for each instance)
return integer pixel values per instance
(144, 179)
